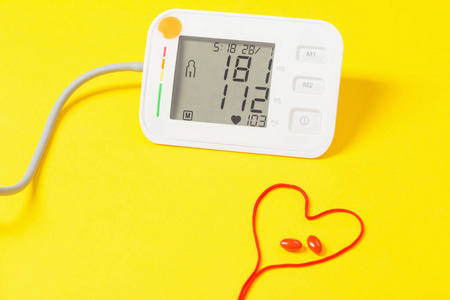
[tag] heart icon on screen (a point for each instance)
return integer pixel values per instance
(235, 119)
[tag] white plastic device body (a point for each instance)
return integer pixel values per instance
(304, 89)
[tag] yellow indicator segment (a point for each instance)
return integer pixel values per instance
(170, 27)
(162, 73)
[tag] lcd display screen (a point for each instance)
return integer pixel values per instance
(222, 81)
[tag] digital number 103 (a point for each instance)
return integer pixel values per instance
(256, 120)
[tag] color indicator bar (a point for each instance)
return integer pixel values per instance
(161, 79)
(159, 99)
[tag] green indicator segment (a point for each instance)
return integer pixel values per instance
(159, 99)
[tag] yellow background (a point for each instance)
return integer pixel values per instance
(111, 215)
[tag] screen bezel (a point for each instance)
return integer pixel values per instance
(254, 106)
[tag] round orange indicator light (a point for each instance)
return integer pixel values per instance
(170, 27)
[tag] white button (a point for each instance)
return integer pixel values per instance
(305, 85)
(306, 121)
(312, 55)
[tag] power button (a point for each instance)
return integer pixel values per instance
(306, 121)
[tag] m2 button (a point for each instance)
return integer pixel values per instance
(306, 121)
(306, 85)
(312, 55)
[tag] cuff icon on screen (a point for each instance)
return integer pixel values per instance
(190, 69)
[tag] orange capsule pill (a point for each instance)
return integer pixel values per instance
(291, 244)
(314, 244)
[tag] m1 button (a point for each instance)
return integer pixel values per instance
(312, 55)
(306, 121)
(306, 85)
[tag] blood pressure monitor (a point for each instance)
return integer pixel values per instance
(241, 83)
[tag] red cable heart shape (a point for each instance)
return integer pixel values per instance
(256, 272)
